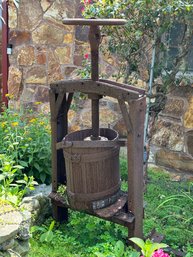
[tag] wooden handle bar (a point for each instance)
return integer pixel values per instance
(94, 22)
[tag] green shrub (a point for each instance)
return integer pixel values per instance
(147, 21)
(13, 184)
(25, 138)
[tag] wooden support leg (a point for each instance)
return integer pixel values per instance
(59, 127)
(135, 165)
(59, 213)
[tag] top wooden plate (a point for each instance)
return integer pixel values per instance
(92, 22)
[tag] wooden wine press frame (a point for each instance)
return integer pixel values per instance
(128, 209)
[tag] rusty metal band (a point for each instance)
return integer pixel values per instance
(89, 144)
(96, 205)
(93, 196)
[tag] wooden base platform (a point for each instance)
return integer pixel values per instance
(116, 212)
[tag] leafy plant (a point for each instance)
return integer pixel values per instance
(148, 248)
(12, 189)
(62, 190)
(119, 251)
(47, 234)
(85, 72)
(189, 251)
(63, 193)
(26, 139)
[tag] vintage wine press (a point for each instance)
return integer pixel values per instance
(87, 161)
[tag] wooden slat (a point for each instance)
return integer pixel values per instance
(112, 209)
(133, 88)
(55, 197)
(95, 87)
(124, 218)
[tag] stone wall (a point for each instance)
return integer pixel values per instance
(173, 131)
(13, 236)
(45, 50)
(42, 47)
(15, 222)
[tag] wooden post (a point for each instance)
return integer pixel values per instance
(135, 165)
(5, 62)
(59, 127)
(94, 39)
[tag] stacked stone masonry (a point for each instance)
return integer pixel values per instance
(173, 131)
(44, 50)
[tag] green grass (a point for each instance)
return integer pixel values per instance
(173, 219)
(84, 235)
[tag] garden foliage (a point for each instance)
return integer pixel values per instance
(150, 249)
(148, 24)
(89, 236)
(25, 146)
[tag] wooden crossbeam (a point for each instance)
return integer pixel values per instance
(125, 114)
